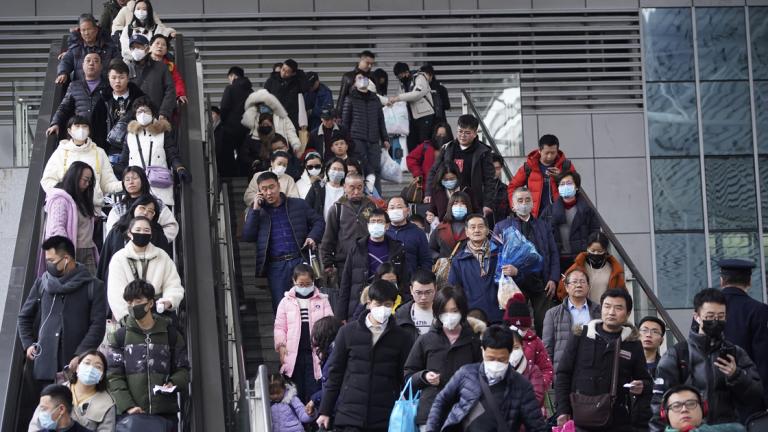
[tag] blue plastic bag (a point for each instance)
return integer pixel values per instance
(403, 417)
(519, 252)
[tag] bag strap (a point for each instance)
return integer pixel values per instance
(141, 153)
(455, 248)
(615, 372)
(490, 406)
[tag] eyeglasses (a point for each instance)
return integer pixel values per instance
(423, 293)
(646, 331)
(690, 404)
(466, 132)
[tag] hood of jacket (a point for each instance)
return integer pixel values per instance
(535, 156)
(151, 252)
(70, 145)
(68, 283)
(261, 96)
(403, 314)
(158, 126)
(628, 331)
(290, 392)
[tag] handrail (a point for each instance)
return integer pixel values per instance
(261, 388)
(671, 326)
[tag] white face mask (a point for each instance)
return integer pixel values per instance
(450, 319)
(278, 169)
(523, 209)
(381, 314)
(140, 15)
(495, 370)
(361, 83)
(304, 291)
(516, 356)
(138, 54)
(144, 119)
(376, 230)
(314, 171)
(396, 215)
(80, 133)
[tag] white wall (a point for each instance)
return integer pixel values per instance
(12, 184)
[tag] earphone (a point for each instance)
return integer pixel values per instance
(38, 347)
(664, 415)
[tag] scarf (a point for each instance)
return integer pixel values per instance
(569, 205)
(520, 368)
(482, 254)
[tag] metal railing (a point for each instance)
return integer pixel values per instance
(24, 121)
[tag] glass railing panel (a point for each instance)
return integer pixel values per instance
(25, 114)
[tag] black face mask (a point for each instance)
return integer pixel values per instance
(140, 239)
(53, 270)
(597, 260)
(713, 328)
(264, 130)
(440, 140)
(138, 312)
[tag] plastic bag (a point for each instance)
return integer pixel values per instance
(519, 252)
(403, 416)
(507, 288)
(390, 170)
(569, 426)
(396, 118)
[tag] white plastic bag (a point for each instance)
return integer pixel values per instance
(507, 288)
(396, 118)
(390, 170)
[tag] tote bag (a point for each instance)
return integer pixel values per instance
(403, 417)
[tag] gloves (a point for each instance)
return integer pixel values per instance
(184, 175)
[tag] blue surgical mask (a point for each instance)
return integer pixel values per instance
(304, 291)
(335, 176)
(458, 211)
(46, 420)
(88, 374)
(376, 230)
(567, 190)
(449, 184)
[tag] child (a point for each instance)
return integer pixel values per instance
(527, 369)
(517, 316)
(288, 413)
(301, 307)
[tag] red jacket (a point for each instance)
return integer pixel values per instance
(178, 81)
(536, 180)
(421, 159)
(536, 354)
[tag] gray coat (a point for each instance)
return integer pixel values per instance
(558, 327)
(154, 79)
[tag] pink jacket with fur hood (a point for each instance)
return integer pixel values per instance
(288, 326)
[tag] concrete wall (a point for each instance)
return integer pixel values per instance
(12, 180)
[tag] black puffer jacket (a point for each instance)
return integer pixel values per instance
(433, 352)
(363, 117)
(109, 129)
(73, 58)
(584, 223)
(79, 100)
(232, 105)
(364, 380)
(483, 181)
(287, 92)
(347, 83)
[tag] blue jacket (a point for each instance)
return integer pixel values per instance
(315, 102)
(544, 241)
(480, 291)
(747, 327)
(463, 392)
(417, 252)
(304, 222)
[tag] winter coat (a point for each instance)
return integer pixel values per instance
(730, 399)
(536, 179)
(116, 240)
(316, 102)
(75, 55)
(483, 174)
(544, 242)
(404, 320)
(133, 27)
(534, 376)
(166, 221)
(356, 275)
(305, 223)
(442, 240)
(364, 379)
(61, 220)
(65, 316)
(289, 415)
(417, 253)
(232, 104)
(287, 331)
(108, 130)
(584, 223)
(290, 93)
(616, 279)
(536, 354)
(501, 203)
(155, 80)
(287, 187)
(280, 119)
(344, 226)
(110, 12)
(178, 80)
(433, 352)
(139, 360)
(586, 367)
(79, 100)
(96, 413)
(440, 196)
(419, 98)
(68, 152)
(152, 265)
(347, 84)
(480, 290)
(316, 197)
(317, 140)
(152, 146)
(723, 427)
(363, 117)
(558, 328)
(747, 327)
(463, 392)
(125, 16)
(304, 184)
(421, 160)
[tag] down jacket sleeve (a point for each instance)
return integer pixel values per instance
(446, 399)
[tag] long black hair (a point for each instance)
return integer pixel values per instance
(149, 23)
(139, 171)
(323, 334)
(124, 222)
(448, 167)
(71, 185)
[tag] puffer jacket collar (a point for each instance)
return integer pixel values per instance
(259, 97)
(158, 126)
(70, 145)
(628, 332)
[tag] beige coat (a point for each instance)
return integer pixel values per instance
(287, 186)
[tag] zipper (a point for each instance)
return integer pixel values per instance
(147, 341)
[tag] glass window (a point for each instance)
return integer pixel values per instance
(726, 118)
(731, 202)
(677, 194)
(672, 121)
(761, 115)
(668, 44)
(763, 167)
(722, 43)
(681, 264)
(758, 30)
(736, 245)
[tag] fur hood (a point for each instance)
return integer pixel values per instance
(155, 128)
(261, 96)
(477, 326)
(628, 333)
(290, 392)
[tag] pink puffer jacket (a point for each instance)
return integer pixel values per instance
(536, 353)
(288, 326)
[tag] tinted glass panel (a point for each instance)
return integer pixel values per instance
(736, 245)
(758, 29)
(668, 44)
(763, 167)
(722, 43)
(681, 268)
(677, 194)
(726, 118)
(731, 193)
(761, 115)
(672, 122)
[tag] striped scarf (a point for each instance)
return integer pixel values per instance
(482, 254)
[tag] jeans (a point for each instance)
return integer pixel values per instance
(279, 277)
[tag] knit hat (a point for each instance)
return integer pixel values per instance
(517, 312)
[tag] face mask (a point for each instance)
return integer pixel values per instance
(144, 119)
(279, 169)
(88, 374)
(80, 134)
(523, 209)
(449, 184)
(376, 230)
(396, 215)
(516, 357)
(140, 239)
(336, 176)
(138, 312)
(596, 260)
(458, 212)
(264, 130)
(440, 140)
(53, 270)
(361, 83)
(713, 328)
(140, 15)
(381, 314)
(567, 190)
(450, 319)
(138, 54)
(314, 171)
(304, 291)
(495, 370)
(46, 420)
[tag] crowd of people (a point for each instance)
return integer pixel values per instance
(499, 302)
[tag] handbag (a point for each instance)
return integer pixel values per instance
(597, 411)
(143, 423)
(443, 266)
(158, 176)
(414, 192)
(403, 416)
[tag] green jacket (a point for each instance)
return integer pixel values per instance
(132, 378)
(722, 427)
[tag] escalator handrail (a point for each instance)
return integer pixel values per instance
(26, 252)
(618, 247)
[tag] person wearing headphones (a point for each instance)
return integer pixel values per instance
(684, 410)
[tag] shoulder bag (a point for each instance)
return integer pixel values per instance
(597, 411)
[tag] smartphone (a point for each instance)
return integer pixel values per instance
(724, 351)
